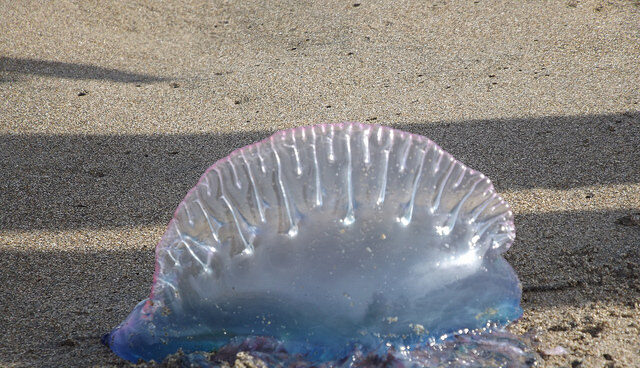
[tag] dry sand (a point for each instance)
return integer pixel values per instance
(110, 111)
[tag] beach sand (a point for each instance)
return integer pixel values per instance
(110, 111)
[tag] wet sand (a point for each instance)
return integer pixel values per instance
(109, 113)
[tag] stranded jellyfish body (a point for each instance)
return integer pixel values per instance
(327, 240)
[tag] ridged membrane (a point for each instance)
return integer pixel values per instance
(324, 237)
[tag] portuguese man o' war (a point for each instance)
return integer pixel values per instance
(334, 243)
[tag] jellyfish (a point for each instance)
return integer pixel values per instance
(330, 243)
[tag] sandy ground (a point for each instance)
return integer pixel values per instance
(109, 113)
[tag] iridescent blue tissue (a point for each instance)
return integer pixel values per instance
(327, 239)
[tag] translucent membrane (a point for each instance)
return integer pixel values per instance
(477, 349)
(327, 239)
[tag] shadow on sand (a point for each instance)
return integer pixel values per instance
(15, 66)
(97, 181)
(66, 182)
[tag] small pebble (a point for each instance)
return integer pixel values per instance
(558, 350)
